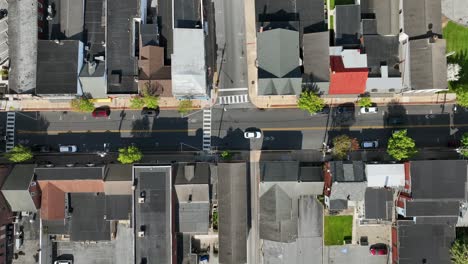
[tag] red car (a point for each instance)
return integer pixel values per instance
(378, 249)
(101, 112)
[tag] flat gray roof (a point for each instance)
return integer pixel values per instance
(69, 173)
(421, 16)
(20, 177)
(232, 206)
(428, 64)
(317, 56)
(154, 215)
(347, 24)
(118, 172)
(378, 203)
(385, 14)
(118, 207)
(187, 14)
(88, 223)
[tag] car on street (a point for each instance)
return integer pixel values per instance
(378, 249)
(150, 112)
(101, 112)
(369, 110)
(63, 262)
(252, 134)
(371, 144)
(41, 148)
(68, 148)
(345, 109)
(325, 111)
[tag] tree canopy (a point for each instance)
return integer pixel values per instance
(310, 102)
(19, 153)
(342, 145)
(82, 104)
(185, 106)
(129, 155)
(365, 102)
(459, 252)
(146, 99)
(400, 146)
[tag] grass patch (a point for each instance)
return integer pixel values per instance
(332, 4)
(337, 228)
(456, 37)
(330, 23)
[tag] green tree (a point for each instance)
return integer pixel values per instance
(400, 146)
(137, 102)
(459, 252)
(129, 155)
(365, 102)
(310, 102)
(146, 99)
(185, 106)
(342, 145)
(82, 104)
(226, 155)
(463, 150)
(215, 220)
(19, 153)
(462, 96)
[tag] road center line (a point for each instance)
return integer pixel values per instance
(107, 131)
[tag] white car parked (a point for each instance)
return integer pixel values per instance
(252, 134)
(68, 148)
(369, 110)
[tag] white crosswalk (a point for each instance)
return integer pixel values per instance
(10, 131)
(206, 129)
(233, 99)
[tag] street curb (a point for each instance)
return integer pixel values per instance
(378, 104)
(72, 110)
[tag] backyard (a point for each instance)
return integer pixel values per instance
(457, 41)
(337, 229)
(340, 2)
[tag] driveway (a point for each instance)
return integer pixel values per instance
(351, 254)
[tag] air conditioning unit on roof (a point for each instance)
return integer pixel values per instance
(141, 199)
(141, 233)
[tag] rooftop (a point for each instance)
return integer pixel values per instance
(192, 173)
(117, 172)
(378, 203)
(275, 171)
(346, 80)
(187, 14)
(188, 63)
(118, 207)
(434, 239)
(232, 208)
(316, 56)
(421, 17)
(22, 39)
(343, 171)
(88, 222)
(58, 66)
(347, 25)
(428, 64)
(69, 173)
(438, 179)
(382, 50)
(20, 177)
(385, 175)
(193, 208)
(347, 191)
(121, 60)
(384, 13)
(153, 217)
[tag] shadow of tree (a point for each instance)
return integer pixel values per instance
(141, 128)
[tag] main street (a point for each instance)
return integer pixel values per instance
(283, 129)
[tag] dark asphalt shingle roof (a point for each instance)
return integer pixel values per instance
(382, 49)
(57, 67)
(279, 171)
(93, 16)
(338, 204)
(118, 207)
(378, 203)
(149, 34)
(420, 16)
(57, 227)
(192, 173)
(118, 172)
(154, 215)
(184, 249)
(438, 179)
(311, 173)
(232, 206)
(427, 242)
(186, 13)
(347, 24)
(317, 56)
(347, 171)
(432, 208)
(121, 62)
(428, 64)
(69, 173)
(88, 223)
(166, 37)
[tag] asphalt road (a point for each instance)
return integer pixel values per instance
(283, 129)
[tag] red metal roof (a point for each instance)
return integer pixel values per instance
(346, 80)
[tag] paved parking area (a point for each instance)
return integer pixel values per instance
(351, 254)
(118, 251)
(376, 233)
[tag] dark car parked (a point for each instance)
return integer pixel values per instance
(150, 112)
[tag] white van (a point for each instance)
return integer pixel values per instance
(68, 148)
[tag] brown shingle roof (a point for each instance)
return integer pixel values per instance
(153, 70)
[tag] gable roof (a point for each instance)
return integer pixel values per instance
(347, 24)
(346, 80)
(278, 51)
(378, 203)
(192, 173)
(420, 16)
(428, 64)
(316, 56)
(348, 191)
(278, 216)
(20, 177)
(438, 179)
(384, 13)
(280, 86)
